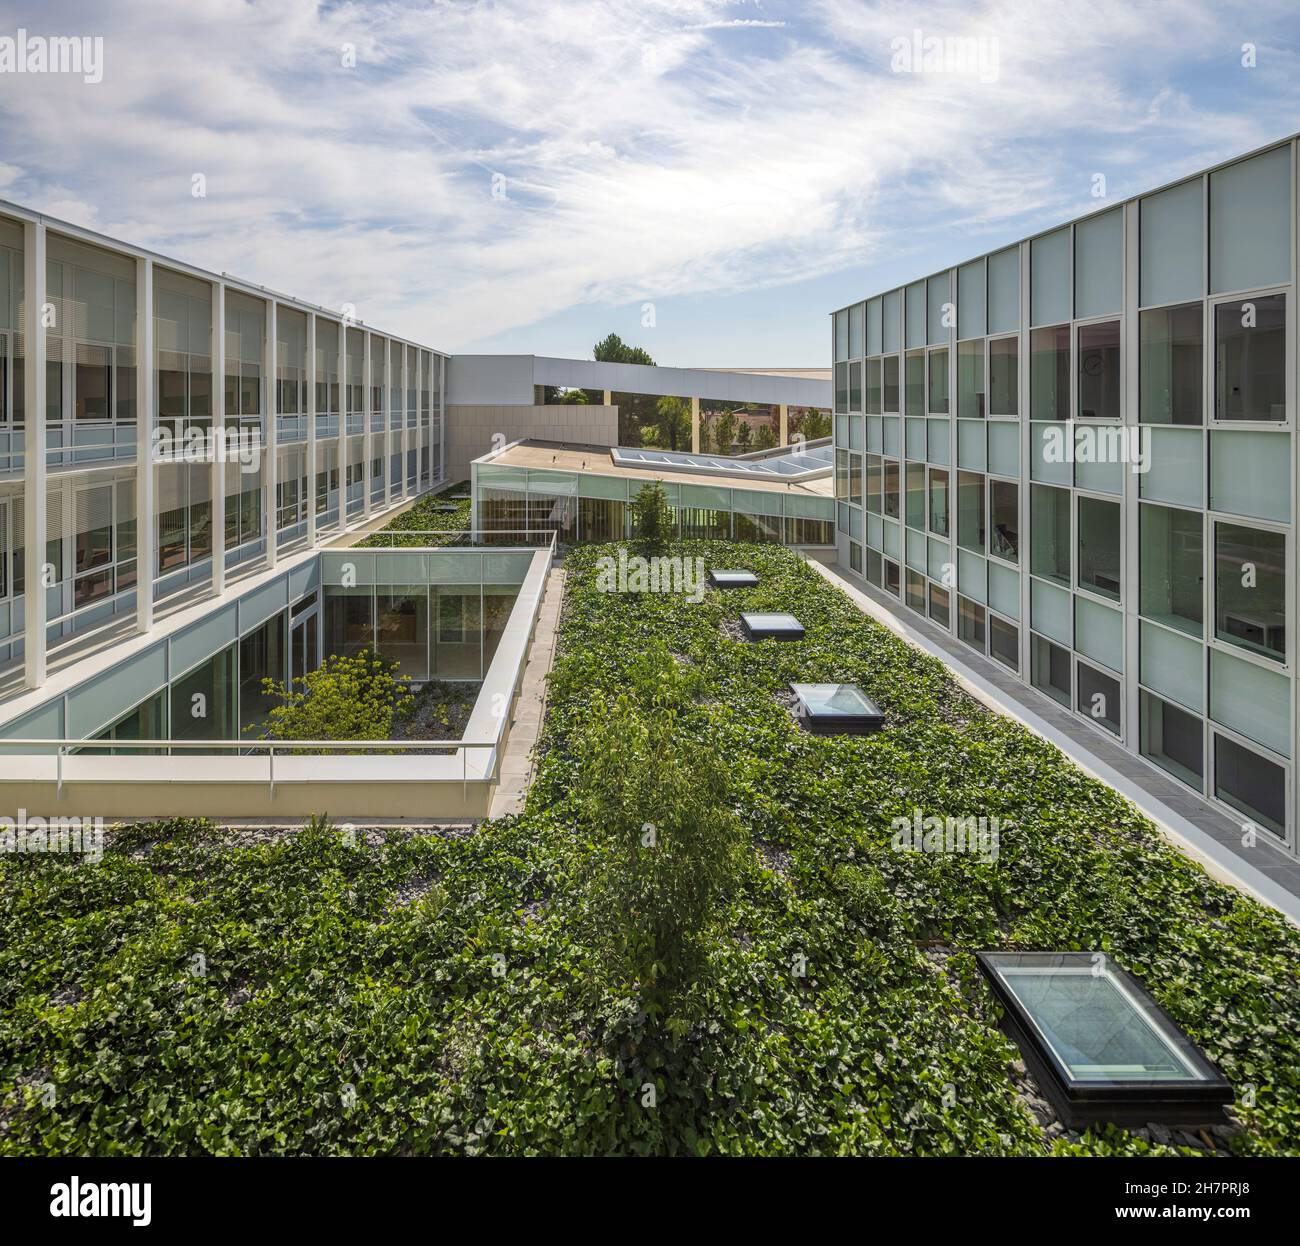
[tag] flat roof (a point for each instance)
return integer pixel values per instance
(556, 456)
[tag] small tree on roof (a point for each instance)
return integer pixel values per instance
(652, 518)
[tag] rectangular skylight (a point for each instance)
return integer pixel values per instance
(837, 709)
(733, 579)
(1101, 1048)
(789, 466)
(772, 626)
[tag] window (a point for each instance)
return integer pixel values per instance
(125, 388)
(94, 382)
(1099, 698)
(172, 395)
(1250, 359)
(939, 605)
(172, 534)
(916, 495)
(891, 384)
(1049, 373)
(1251, 784)
(841, 387)
(203, 701)
(873, 387)
(1170, 365)
(148, 721)
(1250, 588)
(451, 618)
(916, 590)
(855, 557)
(1170, 559)
(938, 398)
(970, 622)
(1004, 642)
(970, 511)
(1004, 517)
(1050, 669)
(1099, 386)
(262, 657)
(873, 567)
(855, 386)
(938, 501)
(873, 483)
(841, 473)
(53, 387)
(891, 576)
(970, 379)
(891, 488)
(914, 384)
(1049, 533)
(855, 479)
(93, 545)
(1173, 739)
(1099, 547)
(1004, 392)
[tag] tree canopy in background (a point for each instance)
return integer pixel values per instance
(614, 350)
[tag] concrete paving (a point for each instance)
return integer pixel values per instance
(518, 764)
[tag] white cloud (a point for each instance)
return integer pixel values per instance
(649, 148)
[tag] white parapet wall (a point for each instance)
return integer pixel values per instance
(256, 779)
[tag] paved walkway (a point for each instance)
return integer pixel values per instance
(1201, 830)
(518, 763)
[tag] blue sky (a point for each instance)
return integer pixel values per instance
(530, 176)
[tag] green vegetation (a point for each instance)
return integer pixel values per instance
(613, 349)
(652, 518)
(349, 697)
(654, 888)
(205, 991)
(434, 513)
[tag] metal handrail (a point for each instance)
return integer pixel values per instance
(64, 746)
(473, 538)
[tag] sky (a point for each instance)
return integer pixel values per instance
(707, 178)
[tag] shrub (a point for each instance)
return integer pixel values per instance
(652, 520)
(350, 697)
(667, 846)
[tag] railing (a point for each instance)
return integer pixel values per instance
(536, 538)
(64, 747)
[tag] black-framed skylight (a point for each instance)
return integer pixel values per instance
(1098, 1045)
(732, 579)
(772, 627)
(837, 709)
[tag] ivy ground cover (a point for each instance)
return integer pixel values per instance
(343, 991)
(434, 513)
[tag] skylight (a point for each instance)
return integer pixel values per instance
(794, 466)
(772, 626)
(837, 709)
(1098, 1044)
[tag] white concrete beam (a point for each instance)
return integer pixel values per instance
(34, 520)
(146, 531)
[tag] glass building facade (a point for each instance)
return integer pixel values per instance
(1077, 454)
(249, 424)
(586, 506)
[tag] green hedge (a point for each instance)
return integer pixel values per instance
(438, 977)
